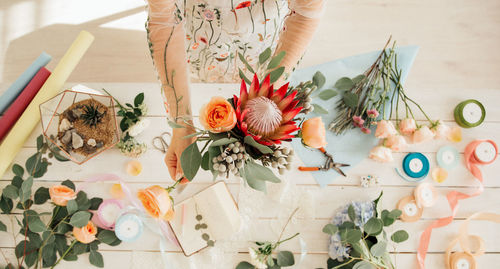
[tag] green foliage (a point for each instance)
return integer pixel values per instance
(244, 265)
(285, 258)
(91, 115)
(327, 94)
(399, 236)
(41, 195)
(191, 161)
(80, 219)
(319, 109)
(248, 140)
(350, 99)
(319, 79)
(344, 83)
(96, 259)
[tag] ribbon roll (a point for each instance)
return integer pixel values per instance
(425, 195)
(128, 227)
(469, 113)
(439, 174)
(107, 213)
(411, 212)
(478, 152)
(462, 260)
(447, 157)
(416, 166)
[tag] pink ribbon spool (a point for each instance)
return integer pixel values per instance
(107, 214)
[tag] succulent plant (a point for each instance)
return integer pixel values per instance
(91, 115)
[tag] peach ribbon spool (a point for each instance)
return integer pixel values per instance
(466, 259)
(411, 212)
(425, 195)
(478, 152)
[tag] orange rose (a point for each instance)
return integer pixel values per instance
(85, 234)
(156, 201)
(61, 194)
(314, 133)
(218, 115)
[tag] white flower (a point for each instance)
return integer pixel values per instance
(256, 259)
(138, 127)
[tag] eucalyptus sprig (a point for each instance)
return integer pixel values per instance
(46, 234)
(266, 65)
(262, 256)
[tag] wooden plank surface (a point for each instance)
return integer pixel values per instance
(317, 204)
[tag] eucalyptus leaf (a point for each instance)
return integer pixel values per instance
(254, 183)
(18, 170)
(386, 219)
(265, 55)
(11, 192)
(205, 161)
(80, 219)
(394, 214)
(244, 265)
(95, 203)
(358, 79)
(37, 226)
(39, 142)
(25, 191)
(399, 236)
(319, 79)
(327, 94)
(68, 183)
(72, 207)
(262, 148)
(260, 172)
(107, 237)
(41, 195)
(344, 83)
(276, 60)
(285, 258)
(373, 226)
(32, 162)
(353, 236)
(17, 181)
(330, 229)
(96, 259)
(191, 161)
(223, 141)
(363, 265)
(350, 99)
(6, 204)
(3, 227)
(319, 109)
(276, 74)
(379, 249)
(351, 213)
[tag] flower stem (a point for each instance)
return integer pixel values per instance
(284, 240)
(65, 253)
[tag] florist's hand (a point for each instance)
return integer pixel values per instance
(174, 152)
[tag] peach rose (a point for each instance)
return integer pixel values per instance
(85, 234)
(218, 115)
(381, 154)
(156, 201)
(61, 194)
(441, 130)
(407, 126)
(395, 142)
(422, 134)
(314, 133)
(385, 129)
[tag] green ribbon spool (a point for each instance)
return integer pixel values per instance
(469, 113)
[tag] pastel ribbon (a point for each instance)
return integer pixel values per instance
(14, 141)
(17, 87)
(464, 238)
(471, 162)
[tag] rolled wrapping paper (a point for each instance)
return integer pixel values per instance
(416, 166)
(17, 87)
(128, 227)
(31, 116)
(425, 195)
(107, 213)
(447, 157)
(476, 153)
(22, 101)
(410, 211)
(469, 113)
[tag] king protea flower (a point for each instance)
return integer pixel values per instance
(265, 114)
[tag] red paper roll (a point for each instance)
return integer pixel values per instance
(22, 101)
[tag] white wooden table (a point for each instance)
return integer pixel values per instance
(439, 103)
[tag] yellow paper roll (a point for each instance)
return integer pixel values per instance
(31, 116)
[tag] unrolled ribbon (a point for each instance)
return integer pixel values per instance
(469, 113)
(478, 152)
(416, 166)
(465, 259)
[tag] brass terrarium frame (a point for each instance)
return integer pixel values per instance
(51, 109)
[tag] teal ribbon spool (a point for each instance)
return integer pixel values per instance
(447, 157)
(469, 113)
(128, 227)
(416, 166)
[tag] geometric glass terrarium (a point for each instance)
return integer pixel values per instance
(82, 124)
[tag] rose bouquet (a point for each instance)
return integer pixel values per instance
(243, 135)
(358, 238)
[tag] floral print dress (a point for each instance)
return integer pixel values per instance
(217, 30)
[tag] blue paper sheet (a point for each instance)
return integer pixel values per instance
(8, 97)
(353, 146)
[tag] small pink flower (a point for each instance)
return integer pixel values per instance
(208, 14)
(395, 142)
(372, 113)
(422, 134)
(441, 130)
(366, 130)
(381, 154)
(385, 129)
(358, 120)
(407, 126)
